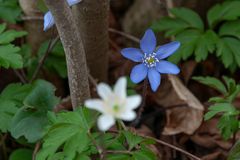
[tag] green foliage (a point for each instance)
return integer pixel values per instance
(10, 10)
(71, 136)
(221, 38)
(68, 130)
(234, 154)
(21, 154)
(30, 120)
(10, 101)
(228, 123)
(9, 56)
(55, 61)
(23, 109)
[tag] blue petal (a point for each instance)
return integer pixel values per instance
(166, 50)
(154, 78)
(167, 67)
(133, 54)
(73, 2)
(48, 21)
(139, 73)
(148, 42)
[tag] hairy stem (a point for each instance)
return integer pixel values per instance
(74, 50)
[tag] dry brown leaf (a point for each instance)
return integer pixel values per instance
(183, 109)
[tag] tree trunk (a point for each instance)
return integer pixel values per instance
(92, 22)
(74, 50)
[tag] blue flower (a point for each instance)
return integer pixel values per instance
(48, 17)
(151, 60)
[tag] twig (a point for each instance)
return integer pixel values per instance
(20, 76)
(173, 147)
(51, 45)
(141, 109)
(128, 36)
(118, 152)
(99, 148)
(92, 80)
(2, 143)
(30, 18)
(36, 149)
(165, 144)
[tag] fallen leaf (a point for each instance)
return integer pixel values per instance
(184, 111)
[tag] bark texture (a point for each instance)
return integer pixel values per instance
(74, 50)
(92, 21)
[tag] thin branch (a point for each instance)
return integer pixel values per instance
(92, 80)
(118, 152)
(128, 36)
(165, 144)
(100, 150)
(2, 143)
(32, 18)
(51, 45)
(173, 147)
(20, 76)
(36, 149)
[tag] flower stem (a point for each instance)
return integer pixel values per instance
(137, 121)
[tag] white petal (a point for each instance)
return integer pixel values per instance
(48, 21)
(128, 116)
(133, 102)
(104, 91)
(73, 2)
(95, 104)
(105, 122)
(121, 87)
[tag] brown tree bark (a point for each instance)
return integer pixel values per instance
(74, 50)
(92, 21)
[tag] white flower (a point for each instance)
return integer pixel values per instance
(48, 17)
(114, 104)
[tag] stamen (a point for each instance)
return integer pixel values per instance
(150, 60)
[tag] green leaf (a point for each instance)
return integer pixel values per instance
(132, 139)
(220, 108)
(42, 96)
(229, 48)
(189, 16)
(11, 35)
(67, 130)
(9, 57)
(189, 40)
(10, 100)
(7, 111)
(10, 10)
(224, 11)
(224, 51)
(16, 92)
(2, 27)
(172, 26)
(118, 157)
(228, 125)
(83, 157)
(234, 153)
(230, 29)
(21, 154)
(145, 154)
(212, 82)
(30, 120)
